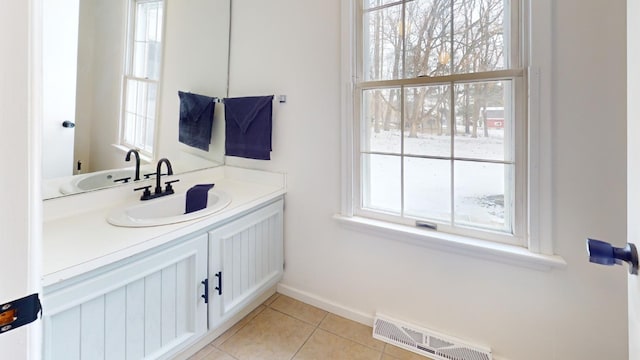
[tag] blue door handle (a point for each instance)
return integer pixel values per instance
(603, 253)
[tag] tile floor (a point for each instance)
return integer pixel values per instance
(283, 328)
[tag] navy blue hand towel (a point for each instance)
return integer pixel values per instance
(197, 197)
(196, 120)
(248, 123)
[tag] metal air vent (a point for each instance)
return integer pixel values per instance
(426, 342)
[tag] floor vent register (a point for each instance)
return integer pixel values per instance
(426, 342)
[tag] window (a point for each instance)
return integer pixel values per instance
(142, 75)
(440, 116)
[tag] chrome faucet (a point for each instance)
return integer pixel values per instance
(158, 192)
(137, 155)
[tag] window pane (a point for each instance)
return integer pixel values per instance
(382, 53)
(152, 90)
(141, 24)
(129, 128)
(152, 23)
(148, 20)
(141, 105)
(146, 60)
(139, 126)
(427, 121)
(381, 120)
(480, 40)
(147, 38)
(483, 194)
(484, 121)
(132, 92)
(427, 189)
(480, 36)
(381, 186)
(428, 38)
(139, 59)
(153, 60)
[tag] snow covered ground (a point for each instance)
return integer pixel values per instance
(478, 187)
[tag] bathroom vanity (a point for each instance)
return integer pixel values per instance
(115, 292)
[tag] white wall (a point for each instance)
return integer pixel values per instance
(100, 64)
(59, 58)
(195, 60)
(20, 228)
(292, 47)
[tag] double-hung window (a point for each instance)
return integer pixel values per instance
(142, 75)
(440, 116)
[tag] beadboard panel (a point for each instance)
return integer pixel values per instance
(155, 306)
(249, 254)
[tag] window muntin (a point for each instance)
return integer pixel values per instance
(441, 116)
(142, 75)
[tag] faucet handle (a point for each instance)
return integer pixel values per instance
(149, 175)
(124, 179)
(169, 188)
(146, 195)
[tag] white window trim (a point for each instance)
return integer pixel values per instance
(538, 253)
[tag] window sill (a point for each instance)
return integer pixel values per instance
(508, 254)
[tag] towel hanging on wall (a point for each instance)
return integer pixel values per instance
(248, 123)
(196, 120)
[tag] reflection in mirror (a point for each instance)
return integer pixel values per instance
(84, 77)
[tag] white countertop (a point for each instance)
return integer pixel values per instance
(78, 238)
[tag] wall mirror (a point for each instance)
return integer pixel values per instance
(84, 63)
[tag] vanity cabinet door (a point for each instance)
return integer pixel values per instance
(245, 259)
(150, 308)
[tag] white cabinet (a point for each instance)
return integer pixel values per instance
(145, 308)
(245, 259)
(152, 305)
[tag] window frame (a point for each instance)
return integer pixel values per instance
(513, 72)
(537, 244)
(127, 75)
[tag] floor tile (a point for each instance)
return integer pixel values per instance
(395, 352)
(271, 299)
(324, 345)
(299, 310)
(237, 326)
(351, 330)
(202, 353)
(269, 335)
(217, 355)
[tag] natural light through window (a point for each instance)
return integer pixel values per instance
(142, 75)
(440, 112)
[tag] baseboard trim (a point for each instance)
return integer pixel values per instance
(327, 305)
(334, 308)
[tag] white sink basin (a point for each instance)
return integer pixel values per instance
(96, 180)
(165, 210)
